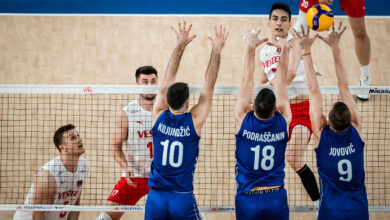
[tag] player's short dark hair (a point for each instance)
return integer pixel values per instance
(265, 103)
(57, 139)
(177, 95)
(147, 70)
(280, 6)
(340, 116)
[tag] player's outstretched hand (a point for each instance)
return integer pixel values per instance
(333, 38)
(279, 43)
(304, 39)
(129, 174)
(252, 38)
(218, 41)
(183, 35)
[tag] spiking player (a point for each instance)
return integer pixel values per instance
(60, 181)
(338, 145)
(176, 134)
(356, 10)
(133, 129)
(261, 140)
(300, 127)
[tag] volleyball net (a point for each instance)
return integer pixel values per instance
(30, 114)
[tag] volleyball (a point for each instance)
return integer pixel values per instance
(320, 17)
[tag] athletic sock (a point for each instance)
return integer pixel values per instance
(103, 216)
(309, 182)
(365, 70)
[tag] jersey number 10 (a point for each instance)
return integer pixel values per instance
(174, 145)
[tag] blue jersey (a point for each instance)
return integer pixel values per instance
(260, 149)
(176, 148)
(341, 169)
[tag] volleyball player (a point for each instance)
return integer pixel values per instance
(338, 145)
(300, 128)
(176, 134)
(261, 140)
(59, 181)
(356, 10)
(134, 130)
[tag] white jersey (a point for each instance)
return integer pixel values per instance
(69, 186)
(270, 56)
(139, 142)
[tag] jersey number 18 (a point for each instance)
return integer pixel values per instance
(267, 161)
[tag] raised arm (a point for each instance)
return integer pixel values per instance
(281, 81)
(318, 119)
(45, 188)
(201, 110)
(245, 94)
(293, 61)
(263, 78)
(183, 39)
(333, 40)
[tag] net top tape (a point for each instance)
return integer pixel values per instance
(138, 89)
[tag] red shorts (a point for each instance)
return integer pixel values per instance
(300, 116)
(353, 8)
(125, 194)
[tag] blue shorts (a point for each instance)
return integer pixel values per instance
(162, 204)
(271, 205)
(358, 214)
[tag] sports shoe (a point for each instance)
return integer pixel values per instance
(364, 81)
